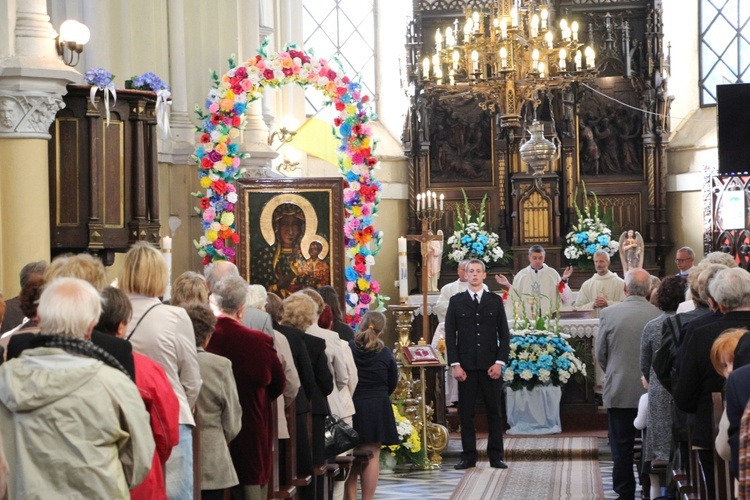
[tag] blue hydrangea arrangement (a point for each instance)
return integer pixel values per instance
(98, 77)
(470, 238)
(592, 233)
(149, 81)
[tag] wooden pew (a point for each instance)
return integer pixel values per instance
(282, 483)
(722, 477)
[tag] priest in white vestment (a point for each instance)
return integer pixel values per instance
(604, 289)
(538, 286)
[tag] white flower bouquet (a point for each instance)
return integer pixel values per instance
(470, 238)
(592, 233)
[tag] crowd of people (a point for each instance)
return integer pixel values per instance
(108, 391)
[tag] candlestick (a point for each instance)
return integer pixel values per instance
(419, 202)
(442, 199)
(403, 278)
(166, 243)
(434, 200)
(429, 199)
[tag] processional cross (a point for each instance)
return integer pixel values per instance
(427, 212)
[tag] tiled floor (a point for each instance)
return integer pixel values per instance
(439, 484)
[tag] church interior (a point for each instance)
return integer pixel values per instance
(392, 141)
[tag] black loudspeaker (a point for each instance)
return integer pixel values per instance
(733, 108)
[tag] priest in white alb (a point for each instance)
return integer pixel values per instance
(539, 287)
(604, 289)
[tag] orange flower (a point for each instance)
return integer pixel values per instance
(221, 148)
(287, 62)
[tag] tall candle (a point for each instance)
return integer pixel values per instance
(429, 199)
(166, 246)
(419, 203)
(403, 279)
(442, 198)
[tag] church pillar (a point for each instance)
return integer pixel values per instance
(178, 147)
(32, 83)
(255, 134)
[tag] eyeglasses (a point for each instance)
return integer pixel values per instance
(683, 260)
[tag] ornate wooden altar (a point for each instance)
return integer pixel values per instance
(614, 134)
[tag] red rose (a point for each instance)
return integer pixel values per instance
(360, 268)
(337, 121)
(340, 106)
(365, 98)
(205, 138)
(368, 230)
(219, 187)
(359, 259)
(341, 90)
(237, 89)
(357, 129)
(236, 121)
(215, 118)
(268, 74)
(372, 161)
(287, 71)
(206, 163)
(345, 79)
(206, 260)
(205, 203)
(331, 75)
(235, 238)
(241, 73)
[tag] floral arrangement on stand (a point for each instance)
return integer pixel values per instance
(592, 232)
(149, 81)
(409, 450)
(539, 352)
(218, 158)
(470, 238)
(101, 79)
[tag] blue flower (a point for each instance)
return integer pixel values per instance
(98, 77)
(239, 108)
(352, 176)
(350, 274)
(593, 247)
(466, 239)
(582, 237)
(603, 240)
(233, 148)
(345, 129)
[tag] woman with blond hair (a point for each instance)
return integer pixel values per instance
(373, 420)
(165, 334)
(189, 288)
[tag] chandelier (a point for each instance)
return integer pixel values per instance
(513, 54)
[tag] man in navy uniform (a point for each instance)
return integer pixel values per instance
(478, 343)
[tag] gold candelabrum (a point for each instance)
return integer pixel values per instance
(509, 55)
(410, 393)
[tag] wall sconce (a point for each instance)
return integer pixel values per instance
(73, 36)
(286, 133)
(290, 160)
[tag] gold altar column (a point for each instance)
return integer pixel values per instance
(24, 208)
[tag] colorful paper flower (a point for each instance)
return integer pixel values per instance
(218, 158)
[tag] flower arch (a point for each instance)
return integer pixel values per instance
(218, 158)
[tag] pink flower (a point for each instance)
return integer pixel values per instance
(246, 84)
(357, 158)
(229, 207)
(209, 215)
(231, 188)
(349, 286)
(236, 161)
(229, 252)
(366, 210)
(219, 243)
(375, 286)
(213, 108)
(365, 298)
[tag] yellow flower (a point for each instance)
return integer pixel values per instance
(356, 211)
(205, 182)
(351, 109)
(227, 218)
(362, 284)
(234, 133)
(229, 94)
(227, 160)
(211, 235)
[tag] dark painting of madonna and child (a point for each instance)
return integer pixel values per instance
(292, 233)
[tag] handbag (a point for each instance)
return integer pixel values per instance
(339, 435)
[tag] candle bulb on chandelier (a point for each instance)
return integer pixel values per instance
(542, 68)
(561, 63)
(503, 57)
(544, 15)
(503, 28)
(456, 57)
(590, 55)
(475, 21)
(578, 59)
(426, 68)
(474, 61)
(574, 28)
(442, 199)
(514, 17)
(438, 40)
(564, 30)
(450, 41)
(535, 59)
(549, 37)
(534, 26)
